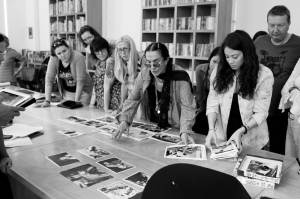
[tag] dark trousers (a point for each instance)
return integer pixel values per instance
(277, 125)
(5, 189)
(201, 124)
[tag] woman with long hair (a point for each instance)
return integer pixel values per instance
(164, 92)
(126, 65)
(240, 95)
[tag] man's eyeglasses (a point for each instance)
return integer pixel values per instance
(155, 64)
(58, 42)
(125, 50)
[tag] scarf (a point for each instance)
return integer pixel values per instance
(168, 76)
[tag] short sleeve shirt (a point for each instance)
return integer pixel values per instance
(281, 59)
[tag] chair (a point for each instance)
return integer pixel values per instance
(190, 181)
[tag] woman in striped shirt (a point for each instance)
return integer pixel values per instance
(8, 57)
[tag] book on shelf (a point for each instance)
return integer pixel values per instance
(205, 22)
(72, 42)
(250, 180)
(170, 47)
(145, 44)
(185, 23)
(29, 56)
(80, 22)
(149, 24)
(184, 49)
(62, 7)
(53, 26)
(204, 50)
(166, 24)
(261, 168)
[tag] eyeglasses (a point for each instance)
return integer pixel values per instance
(155, 64)
(125, 50)
(58, 42)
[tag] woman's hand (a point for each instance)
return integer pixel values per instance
(236, 138)
(211, 136)
(42, 105)
(186, 138)
(122, 128)
(4, 163)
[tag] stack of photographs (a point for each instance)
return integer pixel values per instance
(259, 171)
(224, 152)
(192, 151)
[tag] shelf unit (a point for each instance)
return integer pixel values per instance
(179, 31)
(63, 21)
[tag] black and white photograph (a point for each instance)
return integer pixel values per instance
(62, 159)
(107, 130)
(12, 98)
(107, 119)
(118, 190)
(152, 128)
(167, 138)
(136, 124)
(70, 132)
(73, 119)
(138, 134)
(116, 165)
(192, 151)
(86, 175)
(139, 179)
(94, 152)
(93, 123)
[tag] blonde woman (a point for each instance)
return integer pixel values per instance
(126, 66)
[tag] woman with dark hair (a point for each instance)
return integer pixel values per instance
(74, 83)
(164, 91)
(258, 34)
(203, 72)
(240, 94)
(107, 88)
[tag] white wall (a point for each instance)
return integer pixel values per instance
(251, 15)
(122, 17)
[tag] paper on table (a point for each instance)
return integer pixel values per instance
(20, 130)
(22, 141)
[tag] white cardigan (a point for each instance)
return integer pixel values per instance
(257, 108)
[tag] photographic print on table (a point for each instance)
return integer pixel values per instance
(192, 151)
(138, 134)
(94, 152)
(107, 119)
(165, 137)
(93, 123)
(70, 132)
(140, 179)
(73, 119)
(136, 124)
(118, 190)
(107, 130)
(86, 175)
(152, 128)
(62, 159)
(116, 165)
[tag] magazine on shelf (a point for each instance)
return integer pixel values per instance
(15, 98)
(261, 168)
(249, 180)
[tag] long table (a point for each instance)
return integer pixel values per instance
(33, 171)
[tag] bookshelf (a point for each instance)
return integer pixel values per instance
(191, 29)
(68, 16)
